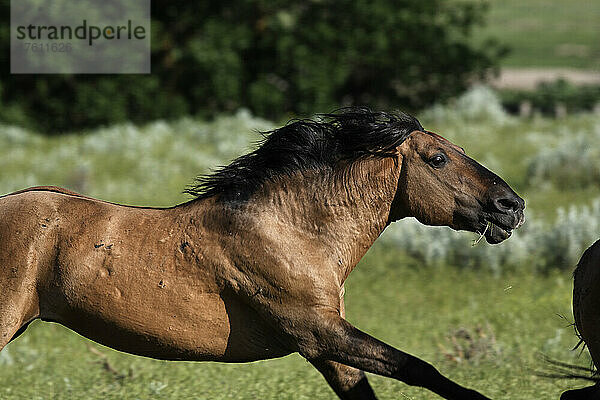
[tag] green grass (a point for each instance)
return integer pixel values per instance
(413, 308)
(541, 33)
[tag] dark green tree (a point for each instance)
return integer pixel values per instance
(278, 58)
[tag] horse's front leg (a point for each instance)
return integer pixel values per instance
(324, 336)
(347, 382)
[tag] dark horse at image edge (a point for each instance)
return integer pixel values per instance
(586, 312)
(254, 266)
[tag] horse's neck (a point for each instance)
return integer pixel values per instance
(344, 212)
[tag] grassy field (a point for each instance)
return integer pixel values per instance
(424, 303)
(546, 33)
(417, 309)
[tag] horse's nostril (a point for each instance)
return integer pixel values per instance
(506, 204)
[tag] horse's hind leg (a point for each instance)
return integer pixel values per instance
(19, 300)
(12, 326)
(21, 330)
(347, 382)
(15, 315)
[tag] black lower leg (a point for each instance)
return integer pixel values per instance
(347, 382)
(350, 346)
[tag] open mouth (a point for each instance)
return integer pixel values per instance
(497, 233)
(494, 232)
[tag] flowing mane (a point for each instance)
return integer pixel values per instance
(307, 144)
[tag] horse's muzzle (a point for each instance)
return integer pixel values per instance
(504, 212)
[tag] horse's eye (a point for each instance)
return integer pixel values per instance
(438, 161)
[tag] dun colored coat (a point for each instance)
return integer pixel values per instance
(254, 267)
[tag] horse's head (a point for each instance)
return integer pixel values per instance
(440, 185)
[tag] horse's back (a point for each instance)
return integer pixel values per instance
(586, 300)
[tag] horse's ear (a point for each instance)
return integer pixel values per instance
(401, 148)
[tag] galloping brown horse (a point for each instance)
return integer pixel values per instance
(254, 267)
(586, 310)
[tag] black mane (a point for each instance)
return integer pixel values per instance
(307, 144)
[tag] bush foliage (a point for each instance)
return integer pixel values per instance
(277, 58)
(569, 159)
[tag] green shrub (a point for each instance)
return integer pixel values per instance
(277, 58)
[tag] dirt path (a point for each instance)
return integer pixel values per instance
(528, 78)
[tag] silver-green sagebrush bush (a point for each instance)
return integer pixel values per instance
(570, 159)
(480, 103)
